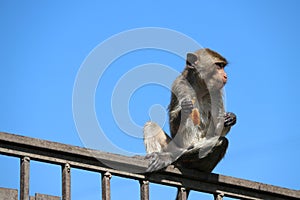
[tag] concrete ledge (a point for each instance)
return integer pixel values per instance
(8, 194)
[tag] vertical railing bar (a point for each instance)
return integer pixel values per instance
(218, 196)
(106, 186)
(144, 189)
(181, 194)
(24, 178)
(66, 182)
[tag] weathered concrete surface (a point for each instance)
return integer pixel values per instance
(45, 197)
(8, 194)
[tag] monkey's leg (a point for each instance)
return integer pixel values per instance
(155, 139)
(161, 151)
(156, 142)
(206, 164)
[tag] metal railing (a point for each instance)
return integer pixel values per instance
(109, 165)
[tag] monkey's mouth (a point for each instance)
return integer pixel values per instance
(221, 84)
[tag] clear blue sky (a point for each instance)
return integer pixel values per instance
(44, 43)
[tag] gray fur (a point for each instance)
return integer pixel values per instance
(200, 83)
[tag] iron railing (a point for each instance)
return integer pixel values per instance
(108, 165)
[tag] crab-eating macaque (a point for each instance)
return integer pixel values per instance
(197, 118)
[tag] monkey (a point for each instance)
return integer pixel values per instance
(197, 118)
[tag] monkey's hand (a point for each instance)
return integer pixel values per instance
(187, 106)
(158, 160)
(188, 110)
(230, 119)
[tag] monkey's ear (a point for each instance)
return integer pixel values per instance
(191, 59)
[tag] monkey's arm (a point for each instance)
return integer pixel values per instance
(181, 105)
(181, 91)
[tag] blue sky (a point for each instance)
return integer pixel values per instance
(44, 44)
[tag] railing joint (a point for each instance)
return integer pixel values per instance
(66, 182)
(24, 178)
(106, 185)
(144, 189)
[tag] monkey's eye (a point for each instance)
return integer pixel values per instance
(220, 65)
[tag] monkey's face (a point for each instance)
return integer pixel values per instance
(217, 79)
(221, 76)
(210, 67)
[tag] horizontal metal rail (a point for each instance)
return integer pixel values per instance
(132, 167)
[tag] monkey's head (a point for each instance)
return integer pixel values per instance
(208, 67)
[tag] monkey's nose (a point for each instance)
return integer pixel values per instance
(225, 79)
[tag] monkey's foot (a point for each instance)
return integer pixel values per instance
(158, 161)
